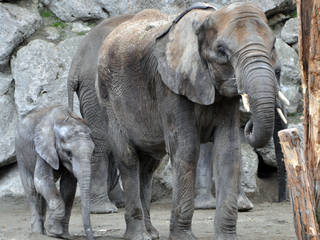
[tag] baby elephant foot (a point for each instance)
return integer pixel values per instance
(182, 234)
(205, 201)
(103, 207)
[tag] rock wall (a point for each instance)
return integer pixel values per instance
(39, 37)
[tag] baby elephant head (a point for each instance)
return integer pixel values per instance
(62, 138)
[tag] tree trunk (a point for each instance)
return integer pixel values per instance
(298, 182)
(303, 169)
(309, 50)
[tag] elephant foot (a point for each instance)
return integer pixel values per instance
(182, 234)
(205, 201)
(153, 232)
(53, 228)
(117, 196)
(37, 228)
(244, 204)
(137, 236)
(223, 236)
(103, 207)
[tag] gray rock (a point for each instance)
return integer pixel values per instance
(289, 32)
(290, 74)
(249, 167)
(10, 182)
(40, 70)
(79, 27)
(52, 33)
(17, 24)
(71, 10)
(7, 120)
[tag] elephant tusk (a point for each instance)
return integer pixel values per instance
(245, 101)
(283, 98)
(282, 115)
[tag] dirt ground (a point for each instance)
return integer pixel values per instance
(267, 221)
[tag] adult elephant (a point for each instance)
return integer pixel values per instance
(81, 80)
(168, 86)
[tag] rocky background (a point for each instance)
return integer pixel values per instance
(39, 37)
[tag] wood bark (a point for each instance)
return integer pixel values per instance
(309, 54)
(299, 184)
(303, 166)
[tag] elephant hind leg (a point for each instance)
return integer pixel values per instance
(100, 202)
(129, 169)
(147, 167)
(37, 203)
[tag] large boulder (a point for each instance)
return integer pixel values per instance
(290, 74)
(71, 10)
(7, 120)
(40, 70)
(17, 24)
(289, 32)
(10, 182)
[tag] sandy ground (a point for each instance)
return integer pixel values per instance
(267, 221)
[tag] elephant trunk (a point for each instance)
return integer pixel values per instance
(84, 180)
(260, 85)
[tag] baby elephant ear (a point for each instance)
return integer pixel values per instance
(180, 64)
(44, 143)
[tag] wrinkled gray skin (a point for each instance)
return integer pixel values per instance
(204, 198)
(53, 143)
(169, 91)
(203, 192)
(81, 79)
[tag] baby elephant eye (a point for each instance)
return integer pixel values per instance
(69, 154)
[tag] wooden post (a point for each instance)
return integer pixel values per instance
(299, 185)
(303, 167)
(309, 54)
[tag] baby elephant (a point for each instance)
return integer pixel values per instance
(53, 143)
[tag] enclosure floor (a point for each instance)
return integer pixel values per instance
(267, 221)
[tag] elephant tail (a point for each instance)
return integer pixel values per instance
(72, 84)
(113, 173)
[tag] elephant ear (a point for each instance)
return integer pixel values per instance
(45, 144)
(182, 68)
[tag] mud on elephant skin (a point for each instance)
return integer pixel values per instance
(53, 143)
(81, 79)
(168, 86)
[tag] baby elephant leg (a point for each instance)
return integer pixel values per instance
(36, 201)
(45, 185)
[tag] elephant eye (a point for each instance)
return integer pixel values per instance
(221, 51)
(69, 154)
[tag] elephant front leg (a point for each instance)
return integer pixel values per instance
(45, 185)
(227, 172)
(68, 185)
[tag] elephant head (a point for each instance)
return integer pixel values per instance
(66, 140)
(228, 52)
